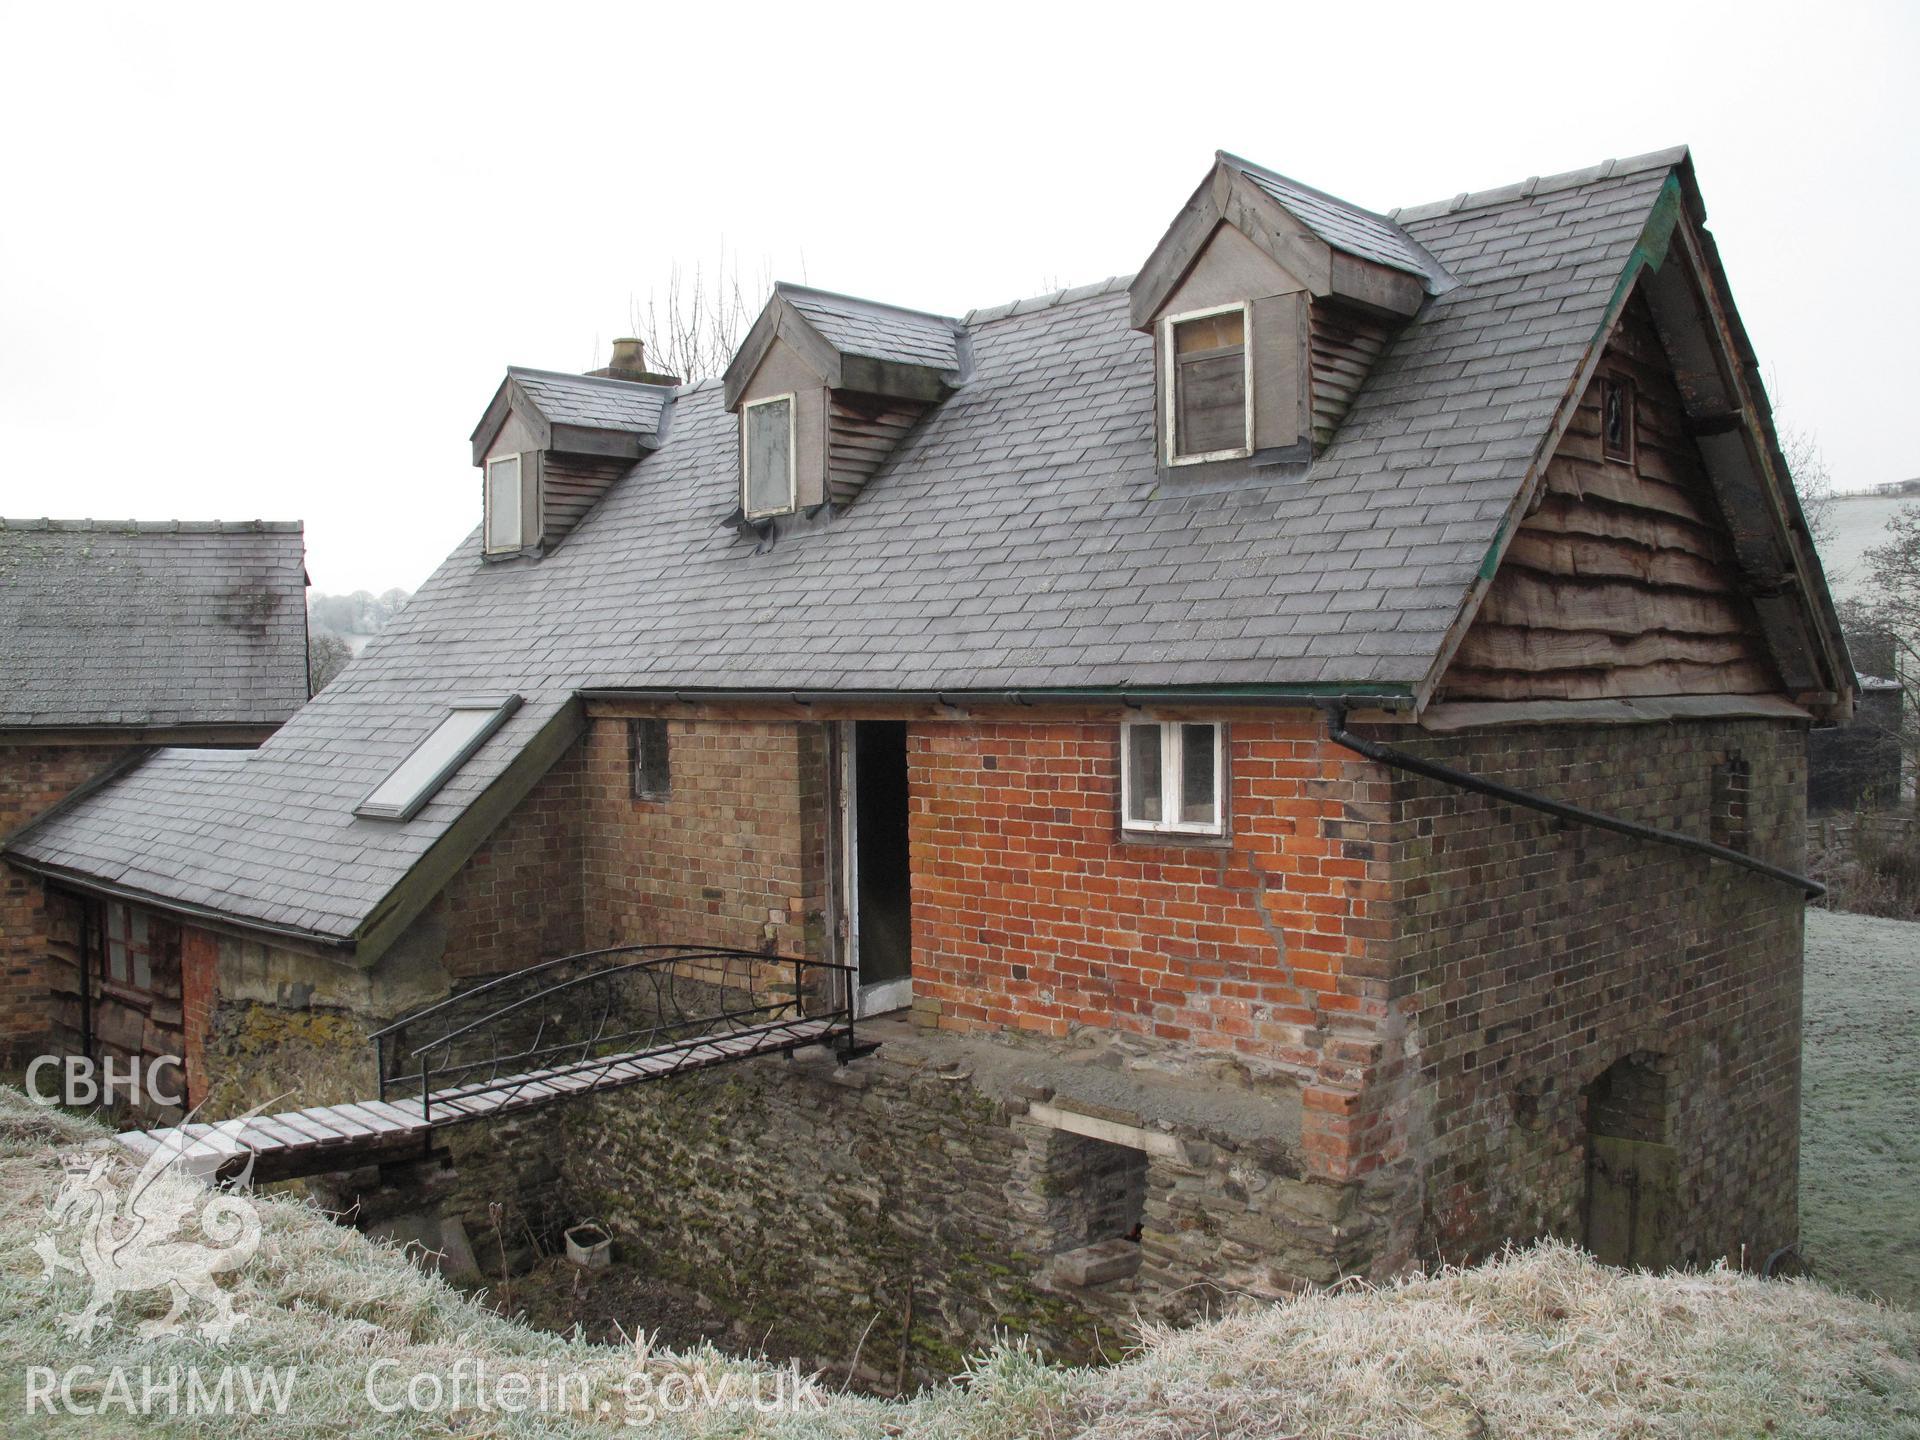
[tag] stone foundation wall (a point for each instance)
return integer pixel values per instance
(1535, 955)
(821, 1207)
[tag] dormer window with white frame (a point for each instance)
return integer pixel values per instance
(1172, 778)
(504, 530)
(1208, 384)
(767, 454)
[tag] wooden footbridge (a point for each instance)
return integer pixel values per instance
(570, 1027)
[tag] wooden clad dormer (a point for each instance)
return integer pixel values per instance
(1302, 290)
(825, 386)
(551, 444)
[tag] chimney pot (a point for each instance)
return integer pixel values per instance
(629, 363)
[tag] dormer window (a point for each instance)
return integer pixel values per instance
(503, 530)
(551, 445)
(767, 448)
(825, 387)
(1208, 381)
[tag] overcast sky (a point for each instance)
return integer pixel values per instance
(270, 261)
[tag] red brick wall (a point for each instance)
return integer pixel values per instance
(1535, 955)
(1030, 910)
(729, 857)
(518, 898)
(33, 778)
(199, 995)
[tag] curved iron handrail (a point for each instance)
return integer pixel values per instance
(513, 975)
(647, 995)
(608, 974)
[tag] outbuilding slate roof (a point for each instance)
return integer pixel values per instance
(149, 624)
(593, 402)
(1019, 537)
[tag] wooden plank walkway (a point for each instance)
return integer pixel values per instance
(345, 1137)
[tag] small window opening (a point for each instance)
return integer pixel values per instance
(1208, 415)
(1095, 1197)
(647, 762)
(1172, 778)
(1616, 417)
(1728, 822)
(503, 528)
(128, 957)
(437, 758)
(767, 445)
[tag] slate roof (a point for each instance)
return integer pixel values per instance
(1346, 227)
(883, 332)
(151, 624)
(594, 401)
(1019, 536)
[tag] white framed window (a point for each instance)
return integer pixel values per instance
(503, 528)
(1173, 777)
(767, 452)
(437, 758)
(1207, 385)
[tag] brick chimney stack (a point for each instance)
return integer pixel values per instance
(629, 362)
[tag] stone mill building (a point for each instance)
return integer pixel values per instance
(1150, 692)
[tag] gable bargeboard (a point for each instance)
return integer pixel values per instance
(1622, 580)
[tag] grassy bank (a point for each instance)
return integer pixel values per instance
(1543, 1344)
(1860, 1105)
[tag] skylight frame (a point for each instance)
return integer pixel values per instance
(500, 708)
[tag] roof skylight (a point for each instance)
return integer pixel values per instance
(437, 758)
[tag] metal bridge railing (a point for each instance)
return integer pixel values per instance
(593, 1015)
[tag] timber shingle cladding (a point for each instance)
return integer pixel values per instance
(1020, 536)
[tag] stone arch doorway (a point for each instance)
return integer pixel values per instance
(1632, 1201)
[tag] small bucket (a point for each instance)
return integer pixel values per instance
(589, 1247)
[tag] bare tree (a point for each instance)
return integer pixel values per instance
(1807, 467)
(1888, 619)
(692, 329)
(327, 656)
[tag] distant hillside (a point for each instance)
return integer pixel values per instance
(358, 617)
(1544, 1344)
(339, 627)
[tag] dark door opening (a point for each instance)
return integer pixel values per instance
(883, 919)
(1632, 1197)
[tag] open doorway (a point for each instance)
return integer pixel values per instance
(877, 878)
